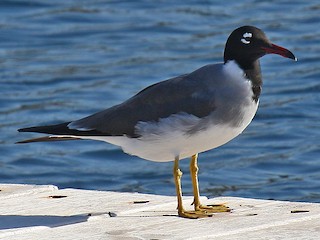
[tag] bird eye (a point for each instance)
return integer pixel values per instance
(246, 38)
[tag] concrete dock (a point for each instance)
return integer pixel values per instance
(46, 212)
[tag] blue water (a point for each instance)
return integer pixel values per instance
(63, 60)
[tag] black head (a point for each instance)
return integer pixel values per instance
(247, 44)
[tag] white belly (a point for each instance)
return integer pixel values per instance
(167, 139)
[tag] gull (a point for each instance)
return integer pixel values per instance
(183, 116)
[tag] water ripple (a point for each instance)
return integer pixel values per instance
(62, 62)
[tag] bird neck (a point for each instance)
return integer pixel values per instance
(253, 73)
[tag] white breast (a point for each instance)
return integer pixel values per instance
(169, 140)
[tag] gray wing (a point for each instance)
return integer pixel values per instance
(187, 93)
(193, 93)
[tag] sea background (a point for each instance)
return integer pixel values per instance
(63, 60)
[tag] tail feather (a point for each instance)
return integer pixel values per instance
(58, 129)
(61, 130)
(49, 139)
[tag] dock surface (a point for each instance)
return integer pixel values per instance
(46, 212)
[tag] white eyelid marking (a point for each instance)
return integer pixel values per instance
(245, 41)
(246, 35)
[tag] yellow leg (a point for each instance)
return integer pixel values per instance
(181, 211)
(177, 174)
(194, 178)
(197, 205)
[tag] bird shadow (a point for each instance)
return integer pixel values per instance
(21, 221)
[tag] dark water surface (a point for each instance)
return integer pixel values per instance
(63, 60)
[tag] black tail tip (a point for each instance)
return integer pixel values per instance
(29, 129)
(25, 129)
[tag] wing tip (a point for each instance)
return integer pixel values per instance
(48, 139)
(22, 130)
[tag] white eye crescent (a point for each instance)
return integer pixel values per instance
(245, 37)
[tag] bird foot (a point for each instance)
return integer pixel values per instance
(203, 211)
(214, 208)
(194, 214)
